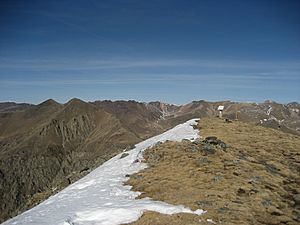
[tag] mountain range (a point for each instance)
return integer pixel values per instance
(46, 147)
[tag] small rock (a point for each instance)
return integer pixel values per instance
(124, 155)
(207, 148)
(223, 210)
(195, 127)
(266, 202)
(229, 163)
(187, 141)
(223, 145)
(136, 161)
(228, 120)
(130, 147)
(242, 157)
(202, 161)
(203, 203)
(211, 221)
(214, 138)
(241, 191)
(271, 169)
(197, 141)
(217, 178)
(254, 179)
(211, 140)
(193, 148)
(235, 173)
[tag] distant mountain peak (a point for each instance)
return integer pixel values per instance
(78, 105)
(49, 102)
(76, 102)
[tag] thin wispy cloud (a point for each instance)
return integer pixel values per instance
(228, 80)
(95, 64)
(149, 49)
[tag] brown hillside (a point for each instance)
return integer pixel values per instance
(47, 147)
(253, 179)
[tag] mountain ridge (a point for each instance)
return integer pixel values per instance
(45, 147)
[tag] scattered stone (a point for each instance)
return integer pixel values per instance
(197, 141)
(211, 140)
(254, 179)
(130, 147)
(271, 169)
(186, 141)
(158, 143)
(235, 173)
(86, 169)
(207, 148)
(266, 202)
(204, 203)
(217, 178)
(223, 145)
(211, 221)
(223, 210)
(228, 120)
(124, 155)
(154, 157)
(202, 161)
(242, 157)
(241, 192)
(136, 161)
(193, 148)
(229, 163)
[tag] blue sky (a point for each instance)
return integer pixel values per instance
(168, 50)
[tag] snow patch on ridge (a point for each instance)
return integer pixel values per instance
(101, 198)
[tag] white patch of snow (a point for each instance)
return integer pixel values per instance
(210, 221)
(101, 198)
(269, 110)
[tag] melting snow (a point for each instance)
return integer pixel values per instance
(101, 198)
(269, 110)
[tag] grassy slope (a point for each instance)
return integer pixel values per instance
(255, 181)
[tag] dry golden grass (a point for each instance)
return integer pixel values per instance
(255, 181)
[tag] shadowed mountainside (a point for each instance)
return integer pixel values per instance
(48, 146)
(45, 147)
